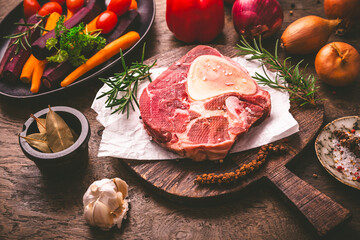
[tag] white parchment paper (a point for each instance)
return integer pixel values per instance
(127, 138)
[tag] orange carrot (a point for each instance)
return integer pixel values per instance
(69, 15)
(30, 64)
(133, 5)
(91, 26)
(110, 50)
(37, 74)
(28, 69)
(51, 21)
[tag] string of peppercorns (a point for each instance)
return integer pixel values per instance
(245, 169)
(352, 143)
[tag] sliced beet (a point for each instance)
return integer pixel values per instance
(85, 15)
(11, 64)
(54, 73)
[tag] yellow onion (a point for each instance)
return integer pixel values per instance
(347, 10)
(308, 34)
(338, 64)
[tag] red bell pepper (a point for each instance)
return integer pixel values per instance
(195, 20)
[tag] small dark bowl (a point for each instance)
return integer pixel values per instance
(69, 161)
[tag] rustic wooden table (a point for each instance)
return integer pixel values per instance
(33, 207)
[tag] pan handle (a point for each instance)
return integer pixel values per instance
(323, 213)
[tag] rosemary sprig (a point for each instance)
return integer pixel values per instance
(301, 86)
(126, 84)
(23, 39)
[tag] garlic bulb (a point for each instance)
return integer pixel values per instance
(105, 204)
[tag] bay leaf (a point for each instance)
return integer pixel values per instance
(58, 133)
(41, 123)
(38, 141)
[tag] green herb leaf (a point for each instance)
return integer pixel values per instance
(59, 57)
(300, 86)
(125, 84)
(51, 43)
(22, 39)
(74, 43)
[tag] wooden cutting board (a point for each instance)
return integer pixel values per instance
(175, 179)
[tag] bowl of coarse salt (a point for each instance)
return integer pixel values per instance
(338, 149)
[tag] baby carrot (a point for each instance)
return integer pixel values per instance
(91, 26)
(37, 74)
(30, 64)
(51, 21)
(133, 5)
(69, 14)
(28, 69)
(110, 50)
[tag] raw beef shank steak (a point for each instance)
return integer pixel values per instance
(201, 104)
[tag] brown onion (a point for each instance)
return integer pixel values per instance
(308, 34)
(347, 10)
(338, 64)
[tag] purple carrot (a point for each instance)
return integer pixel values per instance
(85, 15)
(54, 73)
(11, 64)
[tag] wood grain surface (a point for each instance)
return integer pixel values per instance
(34, 207)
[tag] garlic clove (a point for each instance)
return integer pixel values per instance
(101, 215)
(120, 198)
(109, 199)
(94, 191)
(121, 186)
(119, 218)
(105, 204)
(88, 214)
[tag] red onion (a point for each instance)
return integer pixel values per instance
(257, 17)
(229, 1)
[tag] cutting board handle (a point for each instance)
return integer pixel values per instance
(322, 212)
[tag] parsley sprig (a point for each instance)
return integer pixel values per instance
(300, 86)
(73, 44)
(125, 85)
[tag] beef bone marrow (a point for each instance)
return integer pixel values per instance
(210, 76)
(202, 104)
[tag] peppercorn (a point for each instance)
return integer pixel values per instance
(352, 143)
(245, 169)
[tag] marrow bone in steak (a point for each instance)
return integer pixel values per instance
(201, 104)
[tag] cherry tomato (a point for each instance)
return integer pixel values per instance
(30, 7)
(61, 2)
(106, 21)
(74, 5)
(119, 6)
(50, 7)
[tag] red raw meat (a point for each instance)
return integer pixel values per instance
(200, 129)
